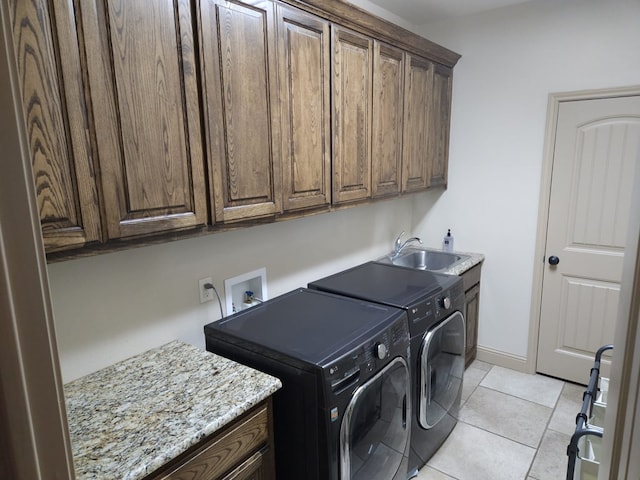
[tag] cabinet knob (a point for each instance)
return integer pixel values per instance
(553, 260)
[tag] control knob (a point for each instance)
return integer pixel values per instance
(381, 351)
(445, 302)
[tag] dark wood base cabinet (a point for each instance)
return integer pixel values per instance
(471, 282)
(242, 450)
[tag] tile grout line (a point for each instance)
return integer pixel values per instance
(548, 422)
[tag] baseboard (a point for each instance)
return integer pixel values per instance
(502, 359)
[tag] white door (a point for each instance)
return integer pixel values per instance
(596, 147)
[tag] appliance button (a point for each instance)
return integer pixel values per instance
(381, 351)
(446, 303)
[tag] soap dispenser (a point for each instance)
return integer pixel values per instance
(447, 242)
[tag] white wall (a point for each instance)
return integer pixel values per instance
(512, 58)
(112, 306)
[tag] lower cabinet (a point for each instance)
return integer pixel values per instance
(471, 282)
(242, 450)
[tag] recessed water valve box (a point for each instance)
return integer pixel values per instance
(245, 290)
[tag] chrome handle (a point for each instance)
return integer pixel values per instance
(404, 412)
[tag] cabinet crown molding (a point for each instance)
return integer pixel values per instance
(360, 20)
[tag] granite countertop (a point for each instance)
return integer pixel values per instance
(131, 418)
(467, 264)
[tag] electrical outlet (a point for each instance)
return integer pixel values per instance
(206, 294)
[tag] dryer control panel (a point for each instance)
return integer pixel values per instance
(430, 310)
(359, 364)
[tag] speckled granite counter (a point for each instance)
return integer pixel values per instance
(129, 419)
(467, 264)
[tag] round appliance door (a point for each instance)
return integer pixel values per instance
(441, 363)
(374, 434)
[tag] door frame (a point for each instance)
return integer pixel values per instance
(623, 404)
(555, 99)
(34, 436)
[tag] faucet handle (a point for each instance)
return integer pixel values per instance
(399, 237)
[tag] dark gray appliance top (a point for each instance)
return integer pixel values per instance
(307, 325)
(392, 285)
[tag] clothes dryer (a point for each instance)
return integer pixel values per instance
(344, 411)
(434, 303)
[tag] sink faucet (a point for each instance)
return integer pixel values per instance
(398, 245)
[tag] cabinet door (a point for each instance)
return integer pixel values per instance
(143, 84)
(351, 82)
(440, 111)
(244, 449)
(388, 101)
(418, 88)
(49, 60)
(472, 298)
(240, 92)
(304, 49)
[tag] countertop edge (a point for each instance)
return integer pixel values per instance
(467, 264)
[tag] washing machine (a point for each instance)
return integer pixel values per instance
(434, 303)
(344, 411)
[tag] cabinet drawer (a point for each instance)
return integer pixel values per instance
(226, 450)
(252, 469)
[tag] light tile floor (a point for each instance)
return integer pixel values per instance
(512, 426)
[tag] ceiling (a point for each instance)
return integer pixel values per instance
(419, 12)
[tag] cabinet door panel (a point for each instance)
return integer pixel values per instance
(440, 124)
(49, 61)
(352, 83)
(240, 89)
(472, 298)
(146, 107)
(304, 50)
(388, 100)
(234, 449)
(418, 88)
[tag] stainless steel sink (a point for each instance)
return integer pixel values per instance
(423, 259)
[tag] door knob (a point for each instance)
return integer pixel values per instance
(553, 260)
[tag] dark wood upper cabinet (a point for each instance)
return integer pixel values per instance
(49, 56)
(142, 77)
(439, 126)
(352, 80)
(304, 74)
(241, 107)
(418, 94)
(388, 102)
(149, 118)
